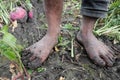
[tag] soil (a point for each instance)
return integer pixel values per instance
(60, 65)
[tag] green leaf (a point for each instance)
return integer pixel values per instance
(10, 55)
(9, 46)
(4, 29)
(7, 51)
(115, 3)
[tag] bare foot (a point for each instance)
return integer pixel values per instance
(36, 54)
(96, 50)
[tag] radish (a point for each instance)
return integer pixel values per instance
(18, 14)
(30, 14)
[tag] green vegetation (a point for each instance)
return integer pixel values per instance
(9, 5)
(110, 26)
(10, 48)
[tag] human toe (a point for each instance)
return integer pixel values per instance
(34, 64)
(98, 60)
(108, 60)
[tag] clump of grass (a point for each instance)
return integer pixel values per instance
(4, 12)
(111, 24)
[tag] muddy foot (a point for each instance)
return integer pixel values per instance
(98, 52)
(36, 54)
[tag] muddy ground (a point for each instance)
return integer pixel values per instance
(60, 65)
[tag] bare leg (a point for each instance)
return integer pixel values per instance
(42, 48)
(96, 50)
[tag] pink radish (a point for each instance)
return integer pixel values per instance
(30, 14)
(18, 13)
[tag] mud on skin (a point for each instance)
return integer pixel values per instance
(96, 50)
(27, 63)
(37, 53)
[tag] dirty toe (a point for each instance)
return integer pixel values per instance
(34, 64)
(25, 52)
(97, 60)
(107, 60)
(25, 55)
(111, 57)
(25, 62)
(111, 52)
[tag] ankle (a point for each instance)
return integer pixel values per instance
(85, 34)
(54, 31)
(53, 36)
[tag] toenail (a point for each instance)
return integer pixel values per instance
(40, 51)
(29, 64)
(115, 58)
(110, 64)
(32, 58)
(34, 47)
(102, 63)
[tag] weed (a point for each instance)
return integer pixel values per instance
(111, 24)
(10, 48)
(8, 43)
(41, 69)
